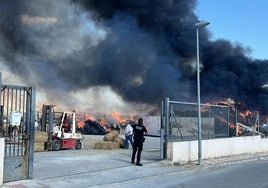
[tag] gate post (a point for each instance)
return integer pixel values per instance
(30, 116)
(2, 143)
(2, 147)
(164, 128)
(162, 132)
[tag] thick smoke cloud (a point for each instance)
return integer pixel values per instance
(143, 50)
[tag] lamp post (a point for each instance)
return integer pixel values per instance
(199, 25)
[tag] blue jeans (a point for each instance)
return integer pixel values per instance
(128, 138)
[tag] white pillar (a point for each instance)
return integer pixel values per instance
(2, 152)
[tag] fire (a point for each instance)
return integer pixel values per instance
(246, 114)
(104, 120)
(239, 113)
(82, 118)
(119, 118)
(239, 130)
(228, 102)
(80, 124)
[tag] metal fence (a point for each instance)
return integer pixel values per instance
(17, 115)
(180, 120)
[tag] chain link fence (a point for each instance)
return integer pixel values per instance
(182, 120)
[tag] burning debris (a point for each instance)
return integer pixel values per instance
(93, 128)
(102, 124)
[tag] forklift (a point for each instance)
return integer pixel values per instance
(61, 129)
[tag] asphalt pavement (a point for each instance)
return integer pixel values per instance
(112, 168)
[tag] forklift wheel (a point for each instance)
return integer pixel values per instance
(56, 145)
(78, 145)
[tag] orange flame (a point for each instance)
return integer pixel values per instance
(239, 130)
(119, 118)
(81, 118)
(116, 116)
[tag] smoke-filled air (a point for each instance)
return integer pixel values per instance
(100, 54)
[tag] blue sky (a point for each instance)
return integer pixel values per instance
(239, 21)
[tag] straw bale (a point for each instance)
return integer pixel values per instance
(39, 146)
(107, 145)
(40, 136)
(121, 141)
(111, 136)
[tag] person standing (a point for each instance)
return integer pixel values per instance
(139, 130)
(128, 136)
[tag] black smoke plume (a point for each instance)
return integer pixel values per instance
(145, 50)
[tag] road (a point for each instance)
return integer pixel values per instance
(246, 175)
(112, 168)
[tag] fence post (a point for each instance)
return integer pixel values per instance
(162, 133)
(2, 145)
(166, 124)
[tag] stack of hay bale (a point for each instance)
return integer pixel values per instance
(112, 140)
(40, 139)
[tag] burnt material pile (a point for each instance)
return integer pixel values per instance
(93, 128)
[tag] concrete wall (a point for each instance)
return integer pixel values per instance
(187, 151)
(2, 146)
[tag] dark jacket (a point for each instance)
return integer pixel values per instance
(138, 131)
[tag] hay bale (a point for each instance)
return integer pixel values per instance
(107, 145)
(39, 146)
(40, 136)
(121, 141)
(111, 136)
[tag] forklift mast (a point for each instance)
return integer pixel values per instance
(47, 121)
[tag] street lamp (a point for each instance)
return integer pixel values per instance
(199, 25)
